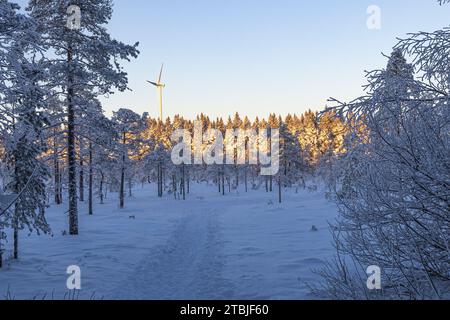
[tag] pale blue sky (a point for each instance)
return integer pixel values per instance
(258, 56)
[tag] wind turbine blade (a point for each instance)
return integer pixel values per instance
(155, 84)
(160, 74)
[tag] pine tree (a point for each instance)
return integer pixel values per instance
(290, 162)
(23, 121)
(83, 58)
(128, 126)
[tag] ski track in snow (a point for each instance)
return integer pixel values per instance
(189, 266)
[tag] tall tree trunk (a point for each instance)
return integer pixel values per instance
(160, 191)
(184, 182)
(81, 170)
(91, 177)
(122, 186)
(60, 183)
(122, 176)
(17, 188)
(16, 232)
(56, 170)
(102, 177)
(71, 157)
(161, 174)
(157, 180)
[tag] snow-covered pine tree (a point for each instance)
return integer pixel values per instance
(23, 156)
(98, 132)
(23, 120)
(55, 138)
(332, 132)
(81, 59)
(103, 163)
(290, 159)
(128, 127)
(9, 22)
(246, 168)
(158, 162)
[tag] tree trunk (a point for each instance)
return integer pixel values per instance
(130, 187)
(60, 183)
(102, 177)
(58, 186)
(122, 187)
(160, 186)
(91, 177)
(15, 221)
(56, 170)
(71, 157)
(16, 232)
(158, 181)
(161, 180)
(81, 170)
(122, 176)
(184, 182)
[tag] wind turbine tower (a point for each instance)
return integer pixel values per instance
(160, 87)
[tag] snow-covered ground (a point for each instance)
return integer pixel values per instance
(241, 246)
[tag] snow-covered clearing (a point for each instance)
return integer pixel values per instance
(238, 246)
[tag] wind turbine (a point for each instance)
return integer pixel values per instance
(160, 86)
